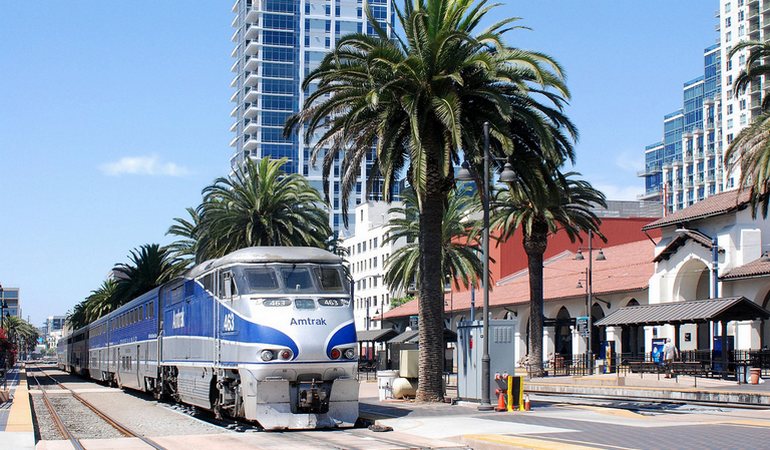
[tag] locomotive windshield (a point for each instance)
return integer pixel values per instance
(289, 279)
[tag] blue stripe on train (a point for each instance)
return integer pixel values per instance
(345, 335)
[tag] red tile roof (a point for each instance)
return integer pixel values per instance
(712, 206)
(628, 268)
(756, 268)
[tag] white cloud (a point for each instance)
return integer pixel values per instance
(615, 192)
(630, 161)
(143, 165)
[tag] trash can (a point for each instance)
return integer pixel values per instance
(755, 374)
(385, 383)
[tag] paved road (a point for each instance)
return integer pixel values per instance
(554, 425)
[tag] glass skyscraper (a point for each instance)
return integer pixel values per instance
(681, 169)
(277, 44)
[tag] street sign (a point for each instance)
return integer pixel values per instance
(582, 325)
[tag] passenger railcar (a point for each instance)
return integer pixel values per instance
(264, 333)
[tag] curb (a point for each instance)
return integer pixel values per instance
(736, 398)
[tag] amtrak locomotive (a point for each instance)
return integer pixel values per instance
(264, 334)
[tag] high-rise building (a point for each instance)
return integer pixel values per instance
(740, 20)
(683, 167)
(368, 252)
(277, 44)
(11, 297)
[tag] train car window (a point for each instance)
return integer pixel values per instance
(152, 308)
(259, 279)
(330, 279)
(297, 279)
(227, 286)
(189, 289)
(208, 282)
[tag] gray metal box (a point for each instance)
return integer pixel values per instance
(470, 345)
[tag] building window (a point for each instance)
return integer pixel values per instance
(729, 64)
(742, 104)
(729, 123)
(728, 36)
(728, 22)
(727, 7)
(729, 109)
(375, 243)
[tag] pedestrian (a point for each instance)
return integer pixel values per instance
(670, 353)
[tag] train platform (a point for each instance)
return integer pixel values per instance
(16, 428)
(655, 387)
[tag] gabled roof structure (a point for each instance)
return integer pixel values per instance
(717, 309)
(757, 268)
(716, 205)
(682, 236)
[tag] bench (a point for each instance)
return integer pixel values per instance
(688, 368)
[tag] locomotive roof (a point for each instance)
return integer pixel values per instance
(266, 255)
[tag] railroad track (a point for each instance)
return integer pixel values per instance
(66, 432)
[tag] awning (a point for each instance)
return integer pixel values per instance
(413, 336)
(376, 335)
(717, 310)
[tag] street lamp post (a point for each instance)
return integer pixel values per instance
(589, 296)
(507, 176)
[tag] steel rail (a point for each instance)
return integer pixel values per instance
(63, 430)
(125, 431)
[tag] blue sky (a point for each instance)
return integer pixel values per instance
(113, 117)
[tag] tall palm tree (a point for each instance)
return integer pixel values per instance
(149, 266)
(562, 203)
(185, 249)
(414, 100)
(260, 205)
(750, 150)
(77, 318)
(459, 246)
(102, 300)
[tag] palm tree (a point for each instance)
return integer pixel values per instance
(22, 334)
(150, 266)
(185, 250)
(561, 203)
(102, 300)
(750, 150)
(77, 318)
(756, 66)
(459, 248)
(259, 205)
(414, 101)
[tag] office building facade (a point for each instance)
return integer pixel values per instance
(277, 44)
(11, 297)
(685, 166)
(688, 164)
(368, 253)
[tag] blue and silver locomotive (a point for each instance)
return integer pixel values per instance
(264, 334)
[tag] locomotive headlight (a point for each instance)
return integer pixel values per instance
(335, 353)
(267, 355)
(350, 353)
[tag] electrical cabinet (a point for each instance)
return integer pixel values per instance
(470, 349)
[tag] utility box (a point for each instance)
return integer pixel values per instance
(470, 349)
(409, 367)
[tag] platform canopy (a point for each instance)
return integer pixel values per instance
(376, 335)
(413, 336)
(696, 311)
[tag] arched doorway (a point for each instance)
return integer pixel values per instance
(632, 337)
(563, 338)
(597, 333)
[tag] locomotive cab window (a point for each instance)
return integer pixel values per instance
(297, 279)
(260, 279)
(330, 279)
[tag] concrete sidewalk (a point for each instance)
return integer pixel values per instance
(655, 387)
(16, 429)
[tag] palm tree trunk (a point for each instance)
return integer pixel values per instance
(431, 301)
(535, 245)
